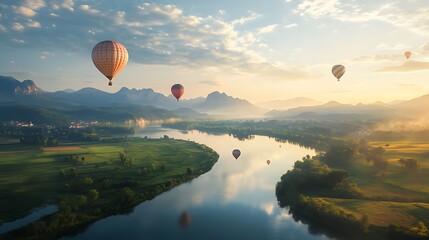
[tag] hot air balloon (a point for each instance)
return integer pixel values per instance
(338, 71)
(109, 57)
(184, 219)
(268, 162)
(177, 90)
(408, 54)
(236, 153)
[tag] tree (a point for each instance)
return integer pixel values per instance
(409, 164)
(127, 196)
(87, 181)
(189, 171)
(339, 154)
(93, 195)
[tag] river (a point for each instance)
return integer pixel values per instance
(235, 200)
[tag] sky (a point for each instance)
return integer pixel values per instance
(253, 49)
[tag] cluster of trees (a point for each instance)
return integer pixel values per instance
(74, 159)
(409, 164)
(377, 158)
(418, 231)
(125, 160)
(72, 173)
(309, 177)
(333, 218)
(39, 140)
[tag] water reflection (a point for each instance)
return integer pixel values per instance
(35, 215)
(235, 200)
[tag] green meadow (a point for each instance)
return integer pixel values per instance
(32, 177)
(395, 196)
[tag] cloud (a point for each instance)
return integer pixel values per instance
(153, 34)
(33, 24)
(408, 66)
(318, 8)
(25, 11)
(246, 19)
(267, 29)
(17, 26)
(2, 28)
(88, 9)
(34, 4)
(292, 25)
(18, 41)
(385, 46)
(397, 14)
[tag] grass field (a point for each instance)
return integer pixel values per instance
(31, 176)
(395, 196)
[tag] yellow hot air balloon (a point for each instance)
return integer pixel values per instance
(109, 57)
(338, 71)
(408, 54)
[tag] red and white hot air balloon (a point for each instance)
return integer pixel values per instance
(177, 90)
(109, 57)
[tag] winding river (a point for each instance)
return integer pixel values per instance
(235, 200)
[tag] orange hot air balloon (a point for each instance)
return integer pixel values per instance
(268, 162)
(338, 71)
(408, 54)
(236, 153)
(177, 90)
(109, 57)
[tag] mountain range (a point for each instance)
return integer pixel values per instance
(93, 104)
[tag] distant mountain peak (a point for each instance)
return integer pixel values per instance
(332, 103)
(12, 86)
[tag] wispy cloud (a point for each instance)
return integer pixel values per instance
(292, 25)
(318, 8)
(408, 66)
(246, 19)
(267, 29)
(397, 13)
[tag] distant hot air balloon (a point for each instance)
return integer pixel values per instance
(184, 219)
(236, 153)
(109, 57)
(177, 90)
(408, 54)
(268, 162)
(338, 71)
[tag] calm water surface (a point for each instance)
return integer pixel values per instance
(235, 200)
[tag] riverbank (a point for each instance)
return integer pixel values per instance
(90, 181)
(393, 196)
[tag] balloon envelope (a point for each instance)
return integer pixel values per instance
(338, 71)
(236, 153)
(268, 162)
(109, 57)
(408, 54)
(177, 90)
(184, 219)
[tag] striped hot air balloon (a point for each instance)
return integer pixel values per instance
(109, 57)
(338, 71)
